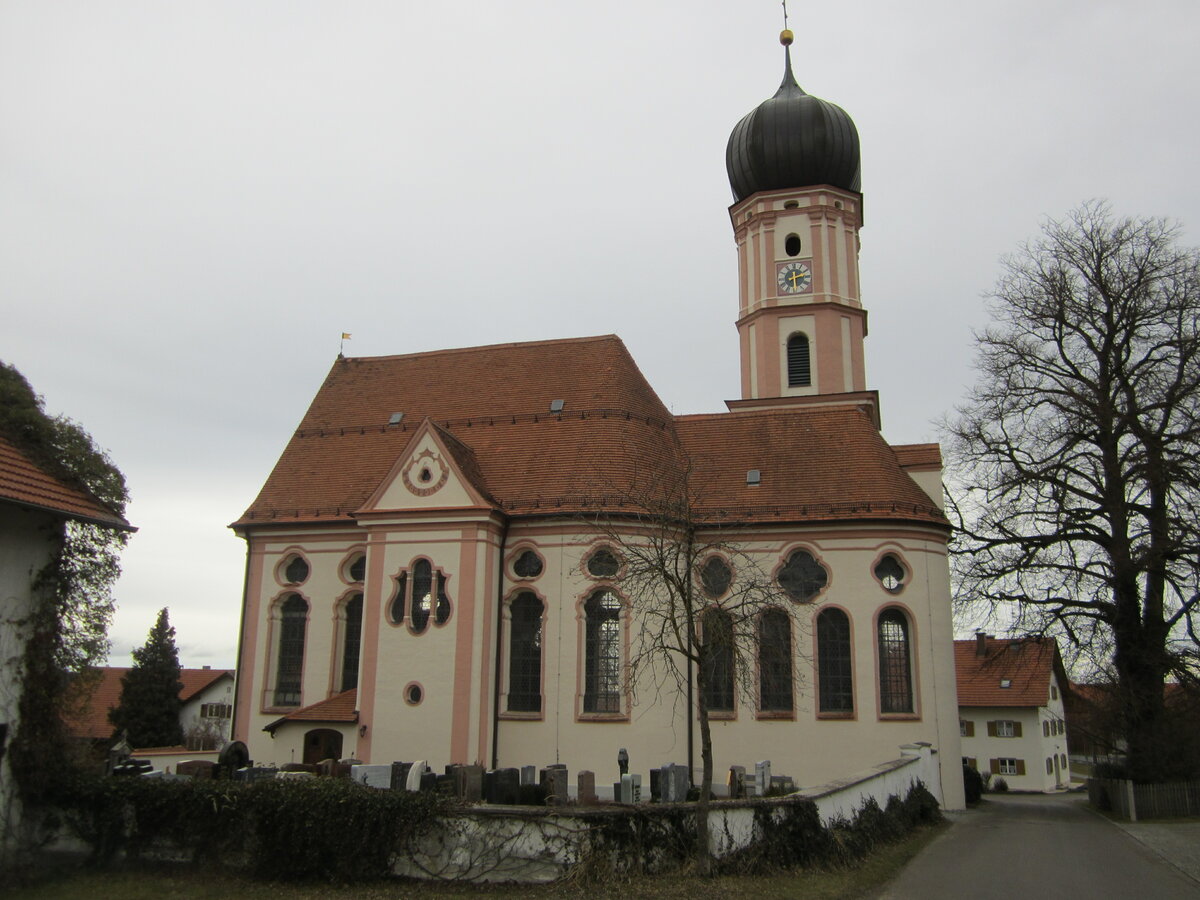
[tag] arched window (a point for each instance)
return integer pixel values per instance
(835, 676)
(351, 642)
(717, 636)
(293, 620)
(775, 661)
(525, 654)
(802, 577)
(357, 570)
(396, 612)
(602, 653)
(422, 594)
(798, 364)
(895, 665)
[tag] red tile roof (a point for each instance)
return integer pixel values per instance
(342, 707)
(88, 715)
(817, 463)
(1026, 663)
(24, 482)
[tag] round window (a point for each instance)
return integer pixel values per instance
(413, 694)
(528, 565)
(602, 564)
(296, 571)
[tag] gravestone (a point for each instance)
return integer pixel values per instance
(586, 788)
(674, 783)
(251, 774)
(532, 794)
(655, 785)
(430, 782)
(415, 773)
(400, 775)
(468, 783)
(629, 789)
(372, 776)
(783, 784)
(506, 787)
(529, 775)
(762, 777)
(554, 780)
(196, 768)
(306, 768)
(737, 782)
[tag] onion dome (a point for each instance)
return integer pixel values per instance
(793, 140)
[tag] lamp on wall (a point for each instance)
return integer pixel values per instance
(362, 730)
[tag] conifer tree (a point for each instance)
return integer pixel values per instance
(149, 707)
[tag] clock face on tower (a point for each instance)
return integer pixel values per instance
(794, 277)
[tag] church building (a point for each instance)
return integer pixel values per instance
(432, 571)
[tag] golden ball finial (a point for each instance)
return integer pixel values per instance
(786, 37)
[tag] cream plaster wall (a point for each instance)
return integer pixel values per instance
(455, 666)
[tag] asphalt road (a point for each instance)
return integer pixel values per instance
(1026, 847)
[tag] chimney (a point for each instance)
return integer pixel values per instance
(980, 643)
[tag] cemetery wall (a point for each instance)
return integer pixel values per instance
(538, 845)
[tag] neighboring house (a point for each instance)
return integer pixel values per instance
(35, 508)
(205, 716)
(431, 572)
(1011, 710)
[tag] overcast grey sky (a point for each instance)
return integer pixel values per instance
(196, 199)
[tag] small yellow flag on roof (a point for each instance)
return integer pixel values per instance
(345, 336)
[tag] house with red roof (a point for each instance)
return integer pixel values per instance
(432, 571)
(205, 716)
(1011, 706)
(36, 507)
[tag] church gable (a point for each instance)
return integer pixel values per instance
(435, 471)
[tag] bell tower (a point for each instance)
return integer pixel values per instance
(793, 164)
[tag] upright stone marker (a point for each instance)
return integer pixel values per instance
(674, 783)
(762, 777)
(529, 775)
(400, 775)
(586, 789)
(737, 782)
(554, 780)
(415, 772)
(373, 776)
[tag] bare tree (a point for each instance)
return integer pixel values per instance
(1077, 455)
(704, 613)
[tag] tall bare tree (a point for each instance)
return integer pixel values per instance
(704, 613)
(1076, 456)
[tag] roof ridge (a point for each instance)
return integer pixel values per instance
(500, 346)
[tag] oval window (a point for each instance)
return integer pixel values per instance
(792, 245)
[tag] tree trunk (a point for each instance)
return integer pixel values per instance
(704, 862)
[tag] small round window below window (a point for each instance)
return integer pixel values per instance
(528, 565)
(890, 574)
(296, 570)
(413, 694)
(602, 564)
(792, 245)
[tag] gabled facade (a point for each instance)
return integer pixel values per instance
(1011, 696)
(435, 543)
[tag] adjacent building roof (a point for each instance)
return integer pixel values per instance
(24, 482)
(342, 707)
(89, 714)
(1009, 672)
(611, 441)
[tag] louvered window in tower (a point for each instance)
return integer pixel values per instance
(799, 369)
